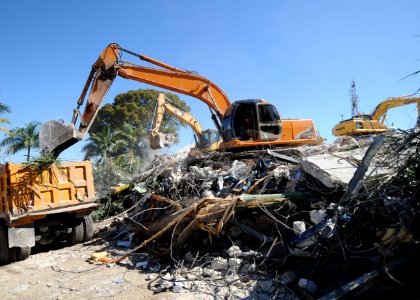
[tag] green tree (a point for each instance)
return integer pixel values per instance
(102, 146)
(22, 138)
(130, 159)
(4, 109)
(134, 109)
(117, 132)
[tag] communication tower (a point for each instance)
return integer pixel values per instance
(354, 100)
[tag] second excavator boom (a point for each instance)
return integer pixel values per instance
(206, 140)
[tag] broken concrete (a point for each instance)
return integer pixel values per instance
(236, 218)
(335, 170)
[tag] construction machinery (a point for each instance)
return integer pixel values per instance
(241, 124)
(205, 139)
(362, 124)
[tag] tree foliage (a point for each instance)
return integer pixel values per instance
(4, 109)
(116, 136)
(134, 110)
(22, 138)
(103, 145)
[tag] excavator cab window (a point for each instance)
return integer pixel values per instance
(209, 137)
(267, 114)
(228, 130)
(366, 117)
(244, 122)
(268, 122)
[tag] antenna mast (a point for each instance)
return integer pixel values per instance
(354, 100)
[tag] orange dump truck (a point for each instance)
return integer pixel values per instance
(41, 206)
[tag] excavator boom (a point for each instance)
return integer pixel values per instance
(206, 140)
(382, 108)
(159, 140)
(181, 82)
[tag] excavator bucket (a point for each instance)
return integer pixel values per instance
(160, 140)
(56, 136)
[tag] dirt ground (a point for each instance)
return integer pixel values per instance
(65, 273)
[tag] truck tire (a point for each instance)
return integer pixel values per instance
(23, 253)
(77, 233)
(5, 251)
(88, 227)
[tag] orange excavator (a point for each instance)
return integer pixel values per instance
(242, 124)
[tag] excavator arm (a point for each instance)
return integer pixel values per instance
(382, 108)
(163, 105)
(56, 136)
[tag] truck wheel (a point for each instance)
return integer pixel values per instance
(77, 234)
(23, 253)
(88, 227)
(5, 252)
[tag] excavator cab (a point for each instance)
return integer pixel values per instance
(253, 119)
(209, 138)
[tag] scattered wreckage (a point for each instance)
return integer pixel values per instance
(326, 221)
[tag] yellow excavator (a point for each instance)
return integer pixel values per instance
(206, 140)
(241, 124)
(374, 123)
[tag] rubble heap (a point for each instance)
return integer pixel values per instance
(279, 223)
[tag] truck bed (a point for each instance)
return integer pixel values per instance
(27, 195)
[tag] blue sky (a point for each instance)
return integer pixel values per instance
(299, 55)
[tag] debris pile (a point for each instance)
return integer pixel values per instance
(323, 221)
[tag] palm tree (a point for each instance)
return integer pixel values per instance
(4, 109)
(103, 145)
(132, 151)
(21, 138)
(128, 133)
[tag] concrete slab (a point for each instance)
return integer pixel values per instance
(335, 170)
